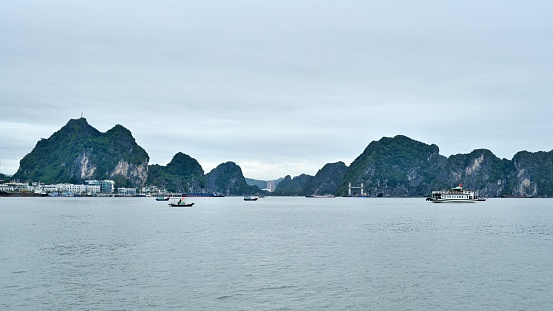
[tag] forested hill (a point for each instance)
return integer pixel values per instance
(401, 166)
(78, 152)
(392, 166)
(182, 174)
(228, 179)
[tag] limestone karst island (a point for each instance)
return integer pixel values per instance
(81, 160)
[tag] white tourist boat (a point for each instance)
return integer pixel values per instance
(455, 195)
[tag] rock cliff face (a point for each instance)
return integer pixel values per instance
(480, 170)
(137, 173)
(400, 166)
(78, 152)
(295, 186)
(327, 179)
(532, 174)
(396, 166)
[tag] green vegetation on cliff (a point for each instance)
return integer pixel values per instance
(182, 174)
(392, 166)
(327, 180)
(4, 177)
(293, 186)
(227, 178)
(532, 174)
(397, 166)
(78, 152)
(400, 166)
(480, 169)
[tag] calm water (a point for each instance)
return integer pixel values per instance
(275, 254)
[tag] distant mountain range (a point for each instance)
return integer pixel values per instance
(403, 167)
(393, 166)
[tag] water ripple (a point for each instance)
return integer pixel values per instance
(280, 254)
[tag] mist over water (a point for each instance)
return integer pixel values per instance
(275, 254)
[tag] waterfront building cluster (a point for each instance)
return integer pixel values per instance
(89, 188)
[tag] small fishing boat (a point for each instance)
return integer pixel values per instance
(180, 203)
(162, 199)
(250, 198)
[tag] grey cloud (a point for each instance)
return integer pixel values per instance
(289, 77)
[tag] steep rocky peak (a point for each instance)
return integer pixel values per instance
(179, 157)
(184, 163)
(77, 127)
(120, 132)
(399, 142)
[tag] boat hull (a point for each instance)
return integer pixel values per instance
(203, 195)
(329, 196)
(181, 205)
(453, 201)
(22, 194)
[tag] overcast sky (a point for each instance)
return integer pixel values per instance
(279, 87)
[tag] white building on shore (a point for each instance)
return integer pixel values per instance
(126, 191)
(90, 188)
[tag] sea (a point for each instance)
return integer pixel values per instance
(276, 253)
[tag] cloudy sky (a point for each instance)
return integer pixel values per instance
(279, 87)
